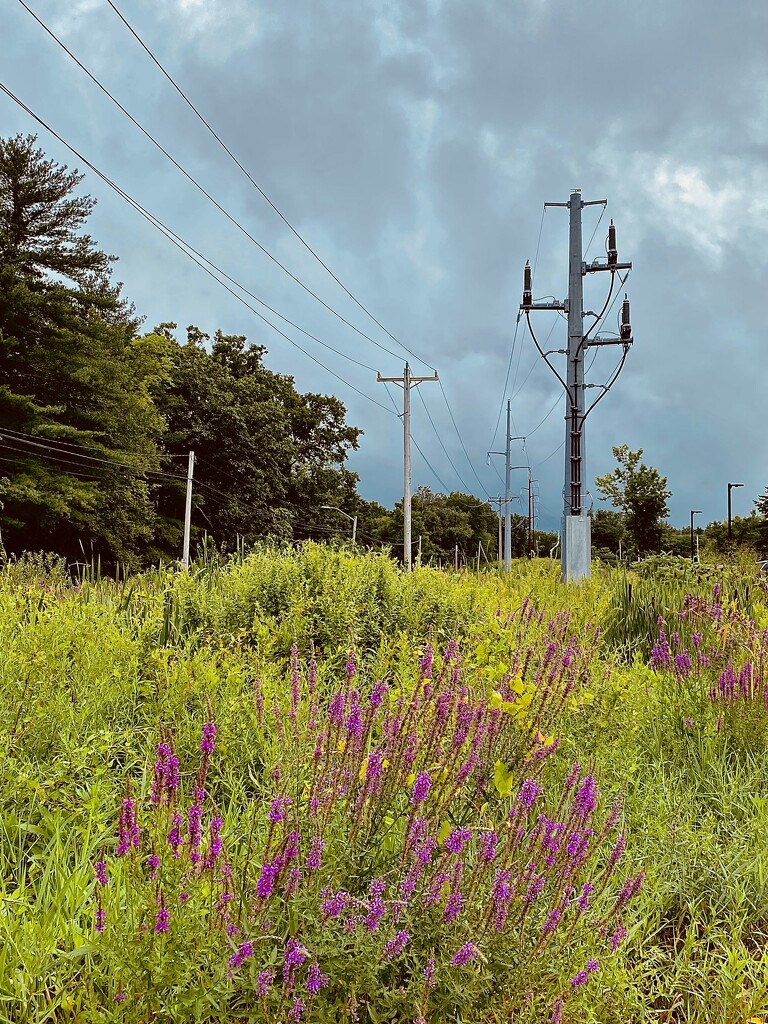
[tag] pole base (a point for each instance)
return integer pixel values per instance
(577, 548)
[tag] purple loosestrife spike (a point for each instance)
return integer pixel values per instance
(425, 662)
(291, 850)
(489, 842)
(153, 863)
(429, 973)
(421, 788)
(127, 829)
(266, 882)
(100, 919)
(296, 1011)
(457, 840)
(174, 836)
(295, 679)
(528, 793)
(395, 946)
(464, 954)
(214, 842)
(100, 871)
(315, 855)
(209, 735)
(617, 938)
(377, 694)
(334, 904)
(336, 708)
(294, 954)
(583, 901)
(316, 980)
(350, 668)
(263, 981)
(161, 920)
(580, 978)
(616, 851)
(194, 831)
(277, 808)
(557, 1012)
(375, 913)
(452, 907)
(552, 921)
(120, 997)
(585, 800)
(158, 776)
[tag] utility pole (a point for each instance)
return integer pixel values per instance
(406, 382)
(730, 521)
(188, 511)
(508, 488)
(576, 533)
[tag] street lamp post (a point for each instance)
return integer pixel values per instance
(352, 519)
(730, 523)
(694, 512)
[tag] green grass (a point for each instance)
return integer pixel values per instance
(90, 671)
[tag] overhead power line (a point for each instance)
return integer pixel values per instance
(258, 187)
(191, 178)
(188, 249)
(234, 220)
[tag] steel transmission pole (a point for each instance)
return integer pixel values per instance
(406, 382)
(508, 496)
(576, 535)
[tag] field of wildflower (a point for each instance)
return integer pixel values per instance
(303, 786)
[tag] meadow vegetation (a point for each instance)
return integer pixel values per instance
(303, 785)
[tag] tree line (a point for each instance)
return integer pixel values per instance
(97, 416)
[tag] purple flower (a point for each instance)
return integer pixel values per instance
(128, 832)
(350, 668)
(488, 844)
(464, 954)
(429, 973)
(174, 836)
(501, 894)
(377, 694)
(552, 921)
(315, 979)
(617, 938)
(452, 906)
(334, 904)
(161, 920)
(583, 901)
(100, 871)
(580, 978)
(572, 777)
(291, 846)
(528, 793)
(373, 767)
(245, 951)
(425, 662)
(296, 1011)
(100, 919)
(120, 997)
(194, 831)
(266, 882)
(375, 913)
(458, 839)
(209, 735)
(557, 1012)
(277, 808)
(585, 800)
(294, 954)
(315, 854)
(421, 788)
(395, 946)
(263, 981)
(153, 863)
(214, 842)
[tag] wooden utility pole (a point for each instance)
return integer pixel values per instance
(406, 382)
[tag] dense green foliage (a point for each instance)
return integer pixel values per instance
(94, 675)
(97, 419)
(640, 492)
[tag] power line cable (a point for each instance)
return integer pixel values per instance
(180, 244)
(233, 220)
(256, 185)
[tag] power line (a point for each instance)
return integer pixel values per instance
(144, 470)
(205, 192)
(234, 220)
(256, 185)
(186, 249)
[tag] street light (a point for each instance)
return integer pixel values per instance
(730, 530)
(694, 512)
(352, 519)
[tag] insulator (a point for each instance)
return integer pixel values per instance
(527, 285)
(613, 253)
(625, 331)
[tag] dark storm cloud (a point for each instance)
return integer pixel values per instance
(413, 143)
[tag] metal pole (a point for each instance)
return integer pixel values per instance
(407, 468)
(730, 522)
(500, 534)
(354, 530)
(530, 518)
(507, 497)
(694, 512)
(574, 426)
(188, 511)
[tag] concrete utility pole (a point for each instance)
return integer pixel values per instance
(730, 520)
(188, 511)
(576, 533)
(406, 382)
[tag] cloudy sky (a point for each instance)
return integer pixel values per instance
(412, 143)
